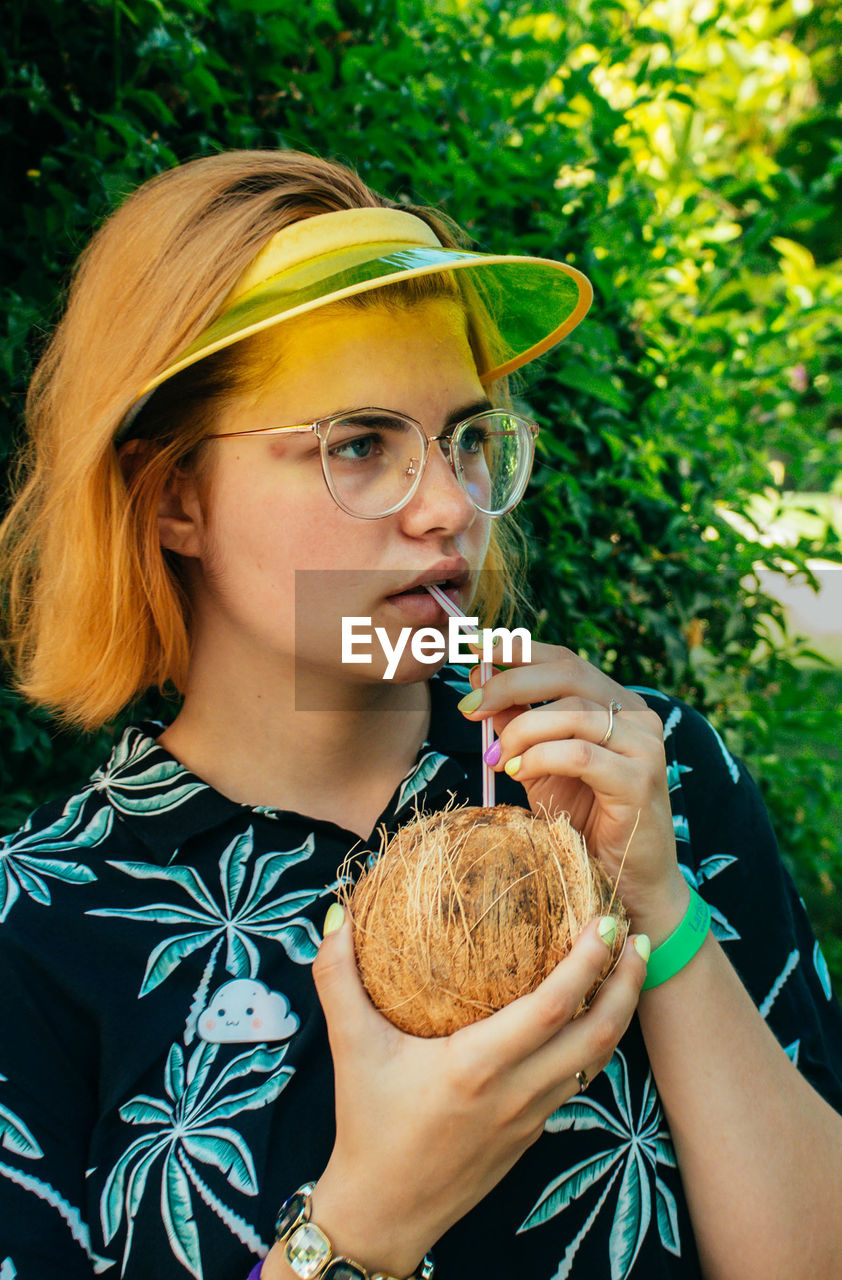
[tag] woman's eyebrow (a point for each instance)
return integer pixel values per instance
(468, 411)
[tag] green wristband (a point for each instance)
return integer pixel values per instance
(680, 947)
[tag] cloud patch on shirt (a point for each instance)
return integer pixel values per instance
(245, 1011)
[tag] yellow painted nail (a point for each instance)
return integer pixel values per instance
(512, 766)
(470, 702)
(334, 919)
(607, 930)
(643, 947)
(478, 642)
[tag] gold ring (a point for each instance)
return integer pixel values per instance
(613, 708)
(582, 1080)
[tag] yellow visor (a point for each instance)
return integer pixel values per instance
(527, 304)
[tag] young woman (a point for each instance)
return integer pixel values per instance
(276, 401)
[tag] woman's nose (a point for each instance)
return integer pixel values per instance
(439, 501)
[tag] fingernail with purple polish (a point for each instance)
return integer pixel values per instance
(492, 755)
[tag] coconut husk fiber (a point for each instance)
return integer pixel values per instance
(469, 908)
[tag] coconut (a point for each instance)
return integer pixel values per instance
(468, 908)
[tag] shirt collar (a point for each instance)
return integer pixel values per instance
(164, 805)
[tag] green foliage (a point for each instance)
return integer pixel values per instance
(688, 157)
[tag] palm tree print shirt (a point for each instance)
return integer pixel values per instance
(165, 1078)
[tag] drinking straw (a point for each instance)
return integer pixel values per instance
(485, 670)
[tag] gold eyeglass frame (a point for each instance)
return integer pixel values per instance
(321, 429)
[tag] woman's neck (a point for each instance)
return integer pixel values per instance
(331, 749)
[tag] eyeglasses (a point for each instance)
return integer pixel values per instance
(373, 459)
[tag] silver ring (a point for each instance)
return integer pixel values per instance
(582, 1080)
(613, 708)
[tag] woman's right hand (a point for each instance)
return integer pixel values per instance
(425, 1128)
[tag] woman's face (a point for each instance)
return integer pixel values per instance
(274, 563)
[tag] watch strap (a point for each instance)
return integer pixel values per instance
(309, 1252)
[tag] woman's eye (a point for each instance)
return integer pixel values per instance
(358, 449)
(473, 440)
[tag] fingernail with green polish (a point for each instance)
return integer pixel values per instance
(512, 766)
(643, 947)
(607, 930)
(470, 702)
(334, 919)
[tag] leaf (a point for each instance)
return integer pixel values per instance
(227, 1150)
(32, 884)
(56, 829)
(163, 801)
(649, 1107)
(423, 773)
(174, 1072)
(93, 834)
(156, 913)
(664, 1150)
(15, 1136)
(260, 1058)
(258, 6)
(822, 971)
(726, 755)
(299, 939)
(185, 877)
(632, 1216)
(242, 958)
(177, 1216)
(666, 1212)
(617, 1073)
(569, 1186)
(146, 1110)
(135, 1187)
(201, 1061)
(111, 1200)
(249, 1099)
(710, 867)
(233, 865)
(580, 378)
(800, 258)
(9, 889)
(271, 866)
(280, 909)
(169, 954)
(584, 1113)
(153, 103)
(674, 772)
(721, 928)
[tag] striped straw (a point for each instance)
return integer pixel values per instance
(485, 671)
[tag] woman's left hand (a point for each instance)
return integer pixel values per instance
(558, 751)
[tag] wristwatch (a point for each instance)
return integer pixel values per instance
(309, 1252)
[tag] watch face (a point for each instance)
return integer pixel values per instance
(291, 1212)
(307, 1250)
(343, 1269)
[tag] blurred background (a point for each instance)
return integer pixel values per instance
(685, 516)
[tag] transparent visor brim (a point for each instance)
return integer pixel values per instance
(520, 306)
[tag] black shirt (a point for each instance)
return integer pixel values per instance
(165, 1078)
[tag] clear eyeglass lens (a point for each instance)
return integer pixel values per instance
(373, 460)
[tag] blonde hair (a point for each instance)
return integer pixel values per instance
(96, 612)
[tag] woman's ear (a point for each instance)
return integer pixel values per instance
(180, 515)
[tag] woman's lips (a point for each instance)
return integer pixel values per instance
(418, 606)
